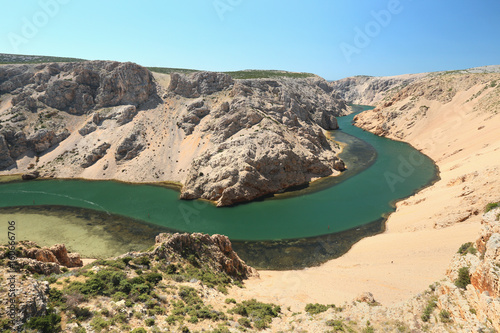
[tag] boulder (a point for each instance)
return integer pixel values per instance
(30, 175)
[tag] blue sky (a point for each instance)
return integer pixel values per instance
(331, 38)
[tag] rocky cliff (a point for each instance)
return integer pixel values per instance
(223, 139)
(369, 90)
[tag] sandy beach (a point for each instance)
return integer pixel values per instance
(426, 229)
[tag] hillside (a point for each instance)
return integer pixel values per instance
(222, 139)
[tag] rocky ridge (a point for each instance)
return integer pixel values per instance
(224, 140)
(370, 90)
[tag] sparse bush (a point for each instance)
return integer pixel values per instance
(491, 206)
(463, 278)
(317, 308)
(45, 324)
(82, 313)
(445, 316)
(467, 248)
(143, 261)
(337, 325)
(99, 324)
(260, 313)
(245, 322)
(431, 305)
(139, 330)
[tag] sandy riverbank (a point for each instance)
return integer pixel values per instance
(426, 229)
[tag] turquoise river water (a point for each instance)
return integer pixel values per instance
(336, 210)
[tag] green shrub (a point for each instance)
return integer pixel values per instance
(172, 319)
(189, 295)
(126, 260)
(463, 278)
(244, 322)
(316, 308)
(153, 278)
(260, 313)
(119, 295)
(55, 297)
(143, 261)
(51, 279)
(171, 269)
(45, 324)
(99, 324)
(139, 330)
(337, 325)
(467, 248)
(149, 322)
(431, 305)
(491, 206)
(445, 316)
(230, 300)
(82, 313)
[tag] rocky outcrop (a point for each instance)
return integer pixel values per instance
(43, 139)
(370, 90)
(32, 298)
(198, 84)
(78, 87)
(131, 146)
(95, 155)
(30, 175)
(5, 159)
(268, 137)
(30, 254)
(215, 250)
(74, 89)
(486, 276)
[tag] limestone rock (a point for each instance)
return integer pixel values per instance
(30, 175)
(366, 297)
(64, 258)
(36, 257)
(43, 139)
(198, 84)
(95, 155)
(215, 250)
(486, 277)
(5, 159)
(87, 128)
(369, 90)
(122, 114)
(32, 299)
(130, 147)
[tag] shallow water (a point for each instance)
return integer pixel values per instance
(307, 227)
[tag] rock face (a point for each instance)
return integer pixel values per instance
(32, 299)
(75, 89)
(486, 277)
(201, 83)
(223, 139)
(268, 137)
(96, 155)
(5, 158)
(31, 255)
(369, 90)
(215, 250)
